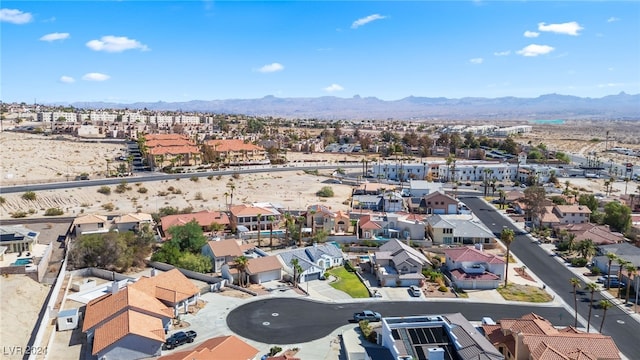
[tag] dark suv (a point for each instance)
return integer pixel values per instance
(179, 338)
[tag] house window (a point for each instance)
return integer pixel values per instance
(447, 231)
(100, 225)
(69, 321)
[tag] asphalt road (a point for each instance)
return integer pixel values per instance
(621, 327)
(294, 320)
(146, 177)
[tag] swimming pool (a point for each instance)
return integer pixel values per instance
(21, 262)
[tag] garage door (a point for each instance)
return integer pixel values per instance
(314, 276)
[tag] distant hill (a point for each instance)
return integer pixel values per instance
(621, 107)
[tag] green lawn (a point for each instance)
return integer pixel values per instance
(348, 282)
(516, 292)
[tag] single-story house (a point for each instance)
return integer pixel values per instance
(204, 218)
(132, 221)
(90, 224)
(471, 268)
(397, 264)
(17, 238)
(172, 288)
(264, 269)
(315, 260)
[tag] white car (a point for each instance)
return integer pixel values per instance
(415, 291)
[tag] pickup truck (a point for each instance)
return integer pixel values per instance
(179, 338)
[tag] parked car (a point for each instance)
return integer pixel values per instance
(179, 338)
(615, 283)
(603, 279)
(367, 315)
(415, 291)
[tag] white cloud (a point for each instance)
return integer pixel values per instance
(476, 60)
(365, 20)
(535, 50)
(502, 53)
(612, 19)
(15, 16)
(67, 79)
(273, 67)
(610, 85)
(531, 34)
(333, 88)
(95, 77)
(114, 44)
(54, 37)
(568, 28)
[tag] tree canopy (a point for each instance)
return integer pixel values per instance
(617, 216)
(188, 237)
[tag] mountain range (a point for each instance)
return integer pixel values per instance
(552, 106)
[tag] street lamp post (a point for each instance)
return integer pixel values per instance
(635, 306)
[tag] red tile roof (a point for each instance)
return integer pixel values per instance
(471, 254)
(248, 210)
(203, 218)
(128, 323)
(218, 348)
(461, 275)
(544, 342)
(171, 287)
(100, 309)
(149, 137)
(169, 142)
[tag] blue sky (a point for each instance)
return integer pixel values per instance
(128, 51)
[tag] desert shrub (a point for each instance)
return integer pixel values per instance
(29, 195)
(194, 179)
(326, 191)
(578, 262)
(53, 212)
(2, 200)
(18, 214)
(218, 177)
(171, 189)
(104, 190)
(177, 191)
(108, 206)
(122, 187)
(236, 175)
(162, 193)
(198, 196)
(142, 190)
(32, 211)
(210, 177)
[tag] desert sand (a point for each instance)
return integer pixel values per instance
(22, 299)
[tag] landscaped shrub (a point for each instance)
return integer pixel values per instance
(53, 212)
(104, 190)
(142, 190)
(443, 288)
(368, 332)
(274, 350)
(578, 262)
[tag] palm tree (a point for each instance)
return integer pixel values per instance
(575, 282)
(623, 264)
(297, 270)
(271, 220)
(605, 305)
(287, 222)
(301, 220)
(486, 182)
(241, 264)
(586, 248)
(507, 237)
(259, 228)
(592, 287)
(502, 198)
(631, 270)
(612, 257)
(231, 187)
(571, 237)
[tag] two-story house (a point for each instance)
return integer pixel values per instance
(320, 217)
(458, 230)
(224, 252)
(255, 217)
(471, 268)
(436, 202)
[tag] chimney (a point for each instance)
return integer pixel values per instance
(435, 353)
(478, 247)
(153, 272)
(315, 244)
(114, 287)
